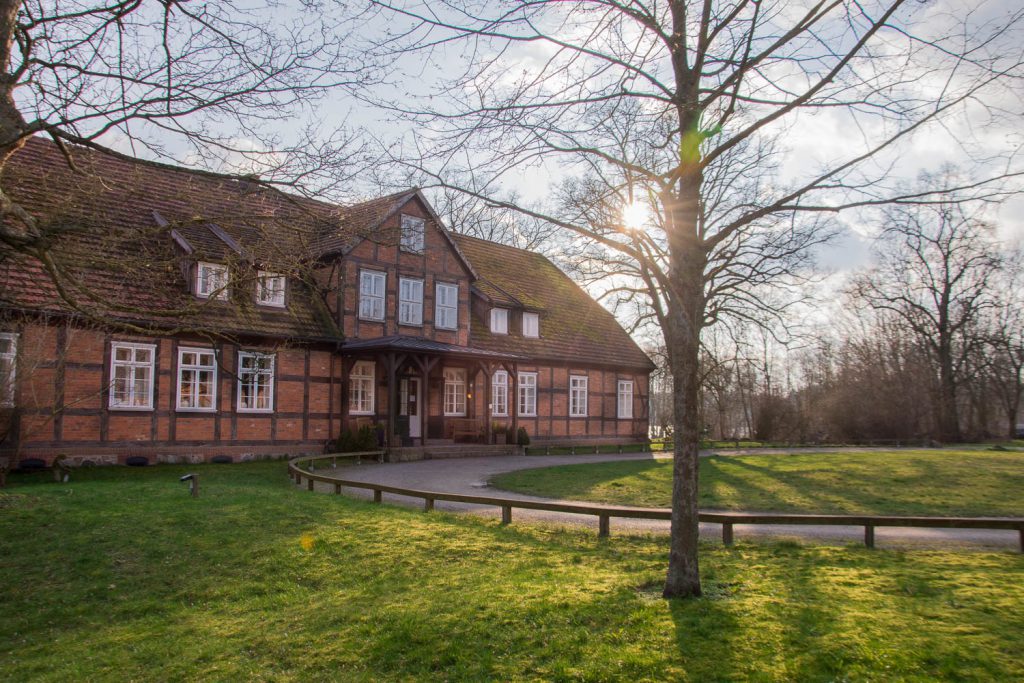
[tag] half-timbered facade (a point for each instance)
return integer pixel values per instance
(215, 318)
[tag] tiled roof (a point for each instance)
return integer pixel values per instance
(112, 221)
(359, 221)
(573, 327)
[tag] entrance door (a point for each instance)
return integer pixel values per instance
(409, 404)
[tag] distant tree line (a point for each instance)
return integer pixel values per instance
(927, 344)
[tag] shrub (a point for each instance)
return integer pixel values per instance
(522, 438)
(364, 439)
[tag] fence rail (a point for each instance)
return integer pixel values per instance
(605, 513)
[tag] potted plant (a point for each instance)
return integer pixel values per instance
(500, 432)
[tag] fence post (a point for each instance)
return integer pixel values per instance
(506, 514)
(310, 485)
(376, 495)
(298, 479)
(428, 504)
(337, 489)
(869, 535)
(727, 533)
(603, 526)
(1022, 540)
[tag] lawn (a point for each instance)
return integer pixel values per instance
(925, 482)
(119, 575)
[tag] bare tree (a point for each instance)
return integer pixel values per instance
(935, 270)
(688, 108)
(1006, 341)
(209, 84)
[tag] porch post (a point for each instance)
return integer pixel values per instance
(515, 402)
(488, 391)
(392, 367)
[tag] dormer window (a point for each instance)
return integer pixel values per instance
(413, 229)
(211, 280)
(531, 325)
(499, 320)
(270, 289)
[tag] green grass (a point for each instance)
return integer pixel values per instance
(944, 483)
(119, 575)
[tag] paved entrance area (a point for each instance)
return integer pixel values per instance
(471, 475)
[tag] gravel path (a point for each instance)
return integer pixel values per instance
(470, 476)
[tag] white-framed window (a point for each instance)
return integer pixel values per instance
(413, 229)
(211, 280)
(499, 394)
(577, 396)
(270, 289)
(531, 325)
(625, 394)
(499, 320)
(255, 382)
(197, 379)
(8, 367)
(454, 391)
(446, 310)
(410, 301)
(132, 367)
(361, 383)
(371, 294)
(528, 394)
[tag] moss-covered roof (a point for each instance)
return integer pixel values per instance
(573, 327)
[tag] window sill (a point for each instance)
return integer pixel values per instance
(132, 409)
(371, 320)
(263, 304)
(255, 411)
(195, 410)
(401, 324)
(368, 413)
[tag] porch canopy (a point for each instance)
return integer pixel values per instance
(398, 353)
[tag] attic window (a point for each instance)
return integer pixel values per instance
(531, 325)
(211, 280)
(270, 289)
(413, 229)
(499, 320)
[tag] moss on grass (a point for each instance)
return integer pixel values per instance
(925, 482)
(119, 575)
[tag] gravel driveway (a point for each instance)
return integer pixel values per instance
(470, 476)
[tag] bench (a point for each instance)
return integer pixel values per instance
(464, 427)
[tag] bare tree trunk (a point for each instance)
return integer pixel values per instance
(949, 420)
(684, 321)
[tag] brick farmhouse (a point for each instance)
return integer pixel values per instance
(217, 318)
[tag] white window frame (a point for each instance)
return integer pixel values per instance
(578, 395)
(410, 301)
(133, 366)
(624, 389)
(526, 399)
(362, 384)
(443, 306)
(211, 280)
(454, 396)
(276, 292)
(499, 315)
(499, 393)
(9, 357)
(414, 234)
(196, 368)
(372, 296)
(246, 375)
(533, 330)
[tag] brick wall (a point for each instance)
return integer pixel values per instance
(64, 405)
